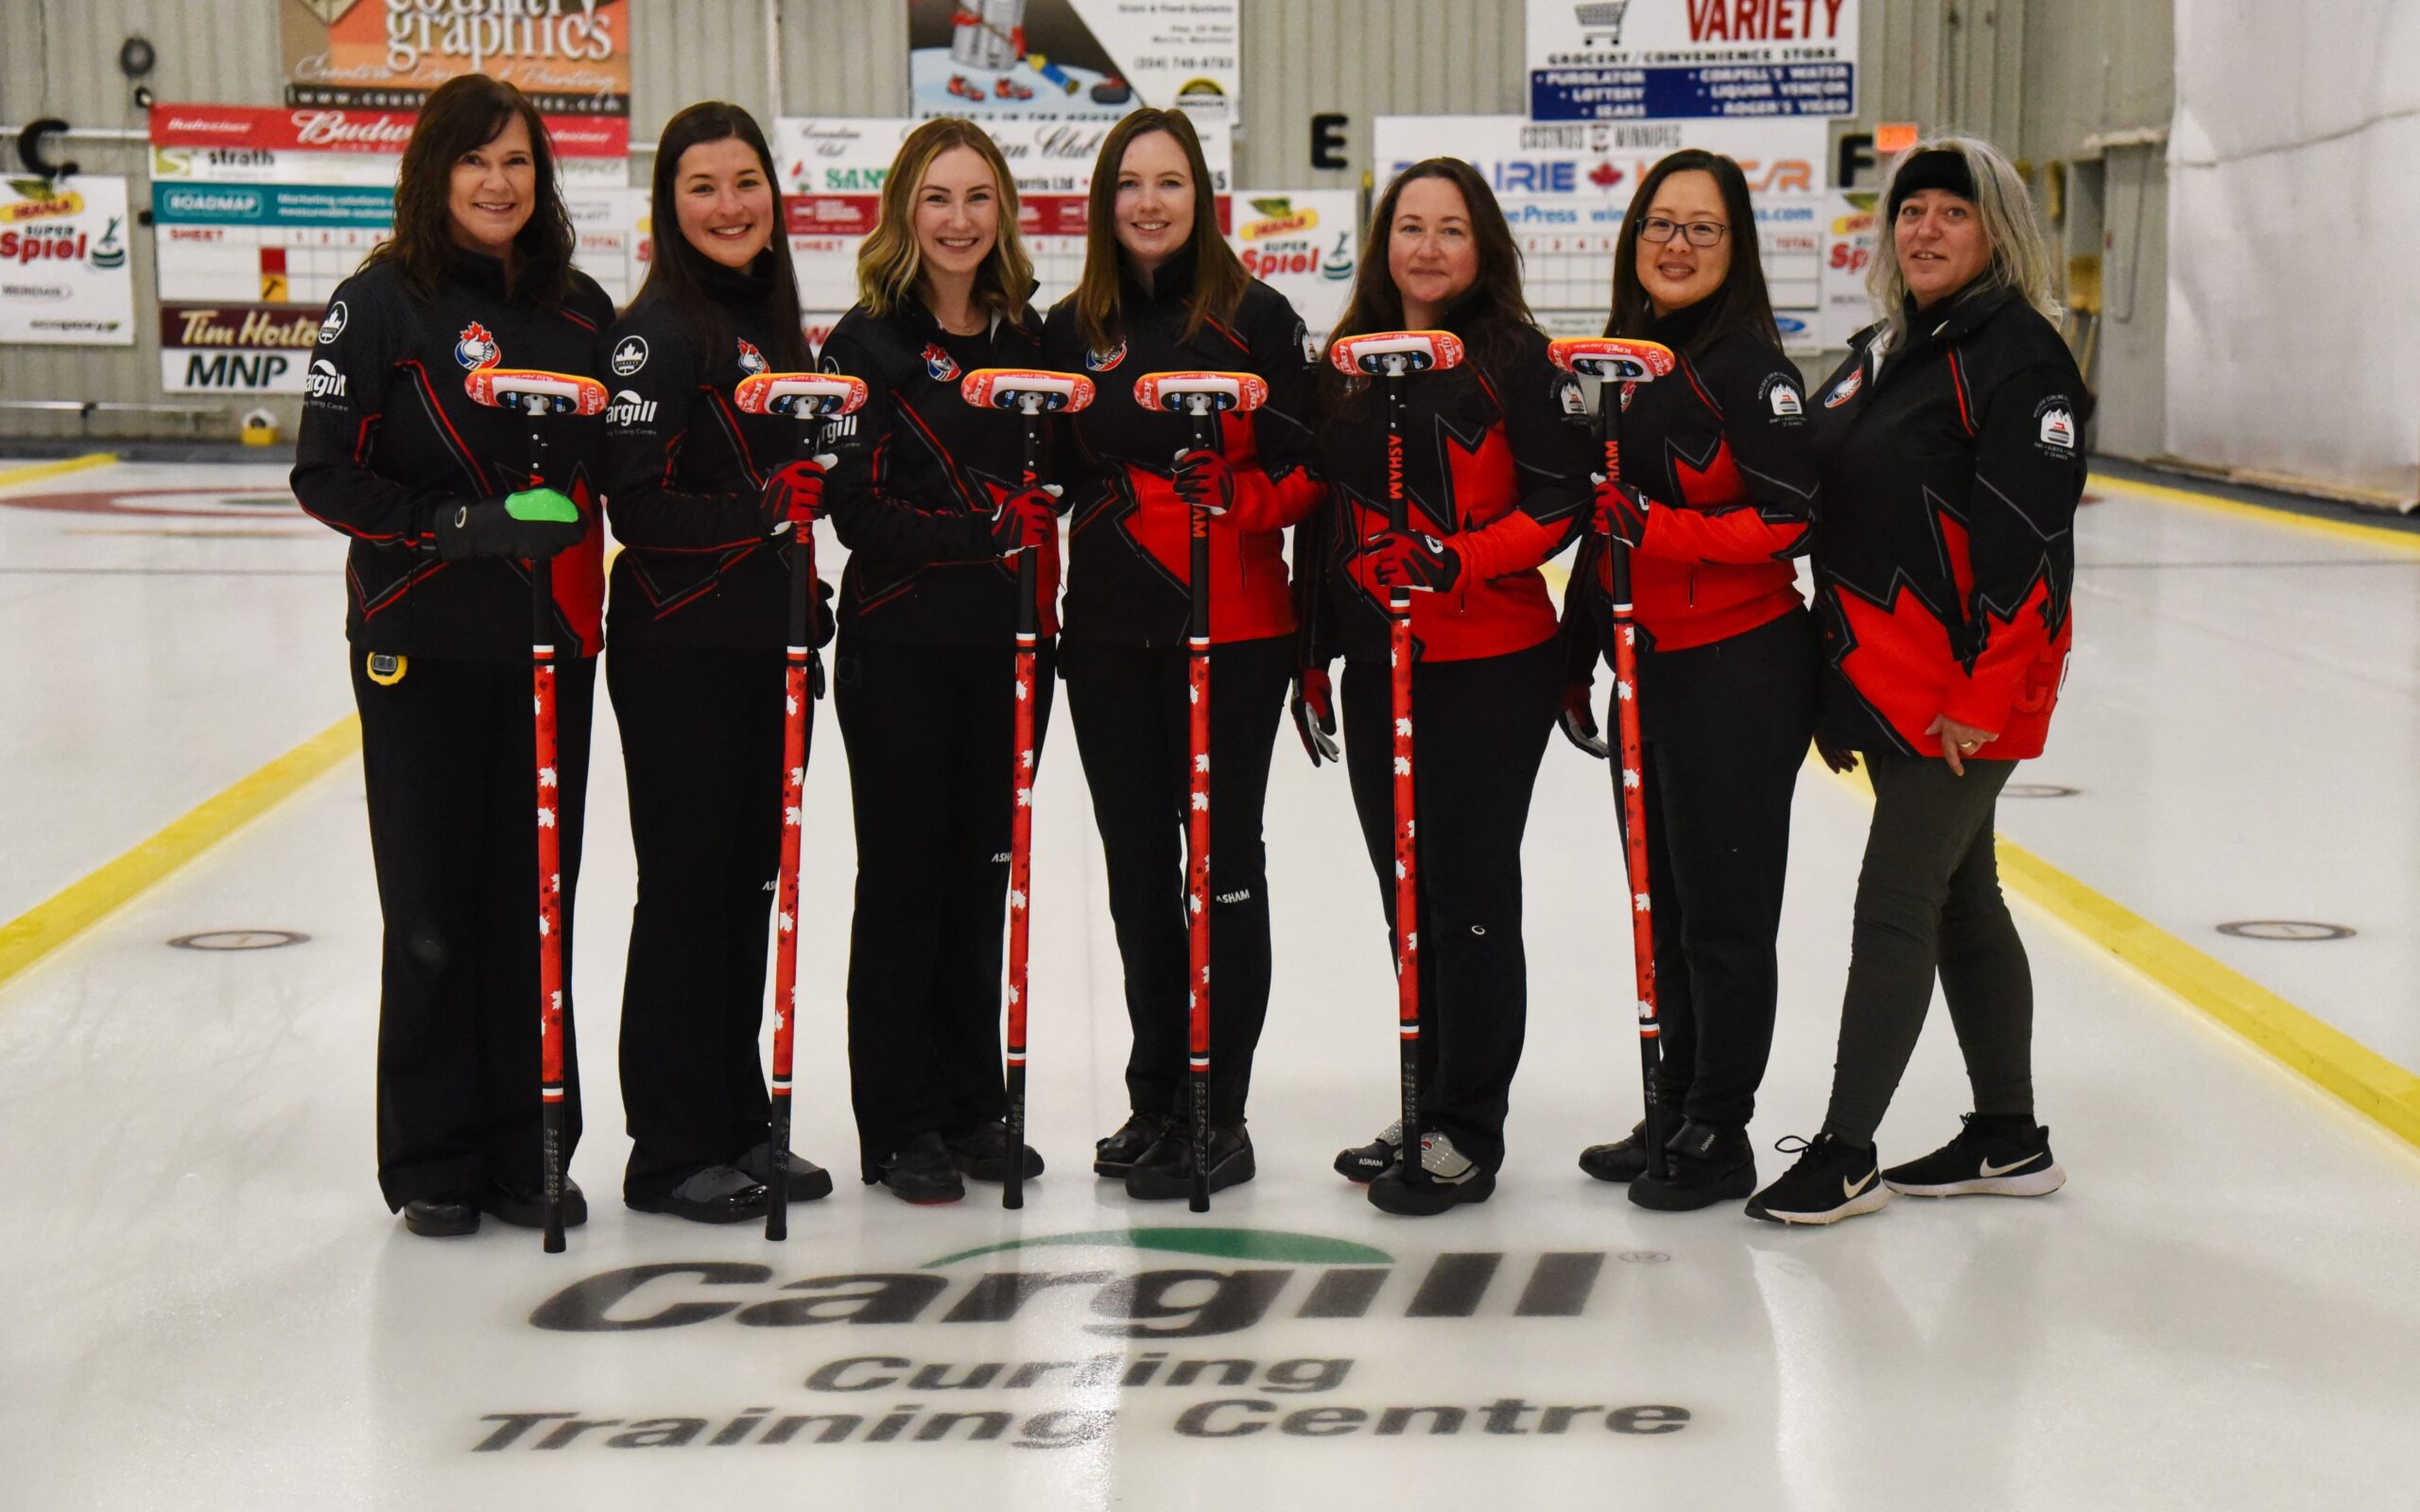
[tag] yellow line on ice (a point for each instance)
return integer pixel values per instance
(2406, 541)
(35, 472)
(53, 922)
(2363, 1080)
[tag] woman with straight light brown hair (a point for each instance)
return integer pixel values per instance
(1161, 290)
(928, 496)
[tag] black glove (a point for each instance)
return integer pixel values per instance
(1204, 481)
(1314, 704)
(1621, 510)
(533, 525)
(1409, 560)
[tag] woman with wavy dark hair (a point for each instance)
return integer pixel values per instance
(932, 504)
(448, 530)
(1162, 290)
(1497, 473)
(709, 503)
(1716, 496)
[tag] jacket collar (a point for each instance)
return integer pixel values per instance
(1171, 282)
(476, 270)
(1956, 317)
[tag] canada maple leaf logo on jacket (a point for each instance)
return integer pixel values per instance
(476, 349)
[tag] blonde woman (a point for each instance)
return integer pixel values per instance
(1952, 460)
(930, 499)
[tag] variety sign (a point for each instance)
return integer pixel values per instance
(1073, 59)
(570, 57)
(1632, 59)
(64, 276)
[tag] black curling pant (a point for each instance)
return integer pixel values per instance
(701, 746)
(1480, 729)
(931, 735)
(1131, 710)
(1725, 728)
(448, 758)
(1928, 902)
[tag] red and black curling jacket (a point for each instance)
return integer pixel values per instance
(1130, 537)
(922, 472)
(389, 438)
(1497, 456)
(1951, 470)
(684, 470)
(1720, 445)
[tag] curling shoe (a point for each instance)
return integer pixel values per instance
(982, 1153)
(1704, 1164)
(921, 1172)
(804, 1180)
(1993, 1155)
(717, 1193)
(1622, 1161)
(1451, 1178)
(1164, 1171)
(1115, 1155)
(526, 1206)
(1362, 1162)
(1831, 1181)
(438, 1218)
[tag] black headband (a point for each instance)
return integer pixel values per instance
(1939, 168)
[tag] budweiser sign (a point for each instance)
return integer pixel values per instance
(324, 129)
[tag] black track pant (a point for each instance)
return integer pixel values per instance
(701, 744)
(930, 731)
(1479, 728)
(1131, 713)
(1929, 902)
(447, 757)
(1725, 728)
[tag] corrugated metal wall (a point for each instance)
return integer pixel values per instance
(2042, 77)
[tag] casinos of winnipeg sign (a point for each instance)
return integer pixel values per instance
(1144, 1294)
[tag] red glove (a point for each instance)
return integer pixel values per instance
(1579, 721)
(1621, 510)
(1409, 560)
(793, 495)
(1314, 706)
(1204, 481)
(1024, 520)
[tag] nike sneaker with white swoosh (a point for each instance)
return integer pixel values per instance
(1993, 1155)
(1831, 1181)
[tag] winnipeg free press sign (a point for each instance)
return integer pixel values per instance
(1150, 1329)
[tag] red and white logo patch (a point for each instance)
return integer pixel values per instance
(940, 364)
(476, 349)
(1844, 390)
(751, 360)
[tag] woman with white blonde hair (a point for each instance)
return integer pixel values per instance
(1951, 467)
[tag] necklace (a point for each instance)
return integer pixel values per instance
(980, 318)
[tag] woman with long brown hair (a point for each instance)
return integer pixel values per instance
(1161, 290)
(1718, 496)
(448, 529)
(708, 504)
(931, 502)
(1496, 467)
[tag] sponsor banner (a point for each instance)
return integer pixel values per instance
(238, 144)
(570, 57)
(1850, 243)
(1600, 160)
(1073, 59)
(832, 169)
(64, 279)
(1640, 59)
(224, 371)
(273, 204)
(1304, 242)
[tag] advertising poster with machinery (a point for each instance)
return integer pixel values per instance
(63, 274)
(1073, 59)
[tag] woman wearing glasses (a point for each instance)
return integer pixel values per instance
(1718, 494)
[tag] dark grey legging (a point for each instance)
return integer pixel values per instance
(1927, 900)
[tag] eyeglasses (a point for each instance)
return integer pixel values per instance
(1701, 232)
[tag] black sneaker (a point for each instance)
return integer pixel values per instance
(1164, 1171)
(921, 1172)
(1115, 1155)
(717, 1193)
(1363, 1162)
(804, 1181)
(1621, 1162)
(1453, 1178)
(441, 1217)
(1995, 1158)
(982, 1153)
(526, 1206)
(1831, 1181)
(1705, 1163)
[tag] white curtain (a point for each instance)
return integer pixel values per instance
(2293, 284)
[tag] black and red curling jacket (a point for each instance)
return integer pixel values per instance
(1130, 540)
(389, 437)
(1720, 445)
(685, 468)
(1496, 457)
(922, 471)
(1951, 470)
